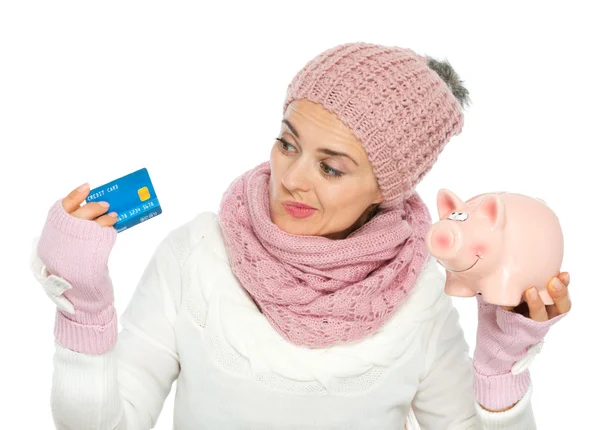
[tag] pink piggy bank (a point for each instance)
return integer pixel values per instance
(499, 244)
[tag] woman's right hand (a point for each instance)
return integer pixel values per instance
(75, 245)
(76, 241)
(73, 251)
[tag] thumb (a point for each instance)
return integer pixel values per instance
(565, 278)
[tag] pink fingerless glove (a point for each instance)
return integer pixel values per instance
(505, 342)
(77, 250)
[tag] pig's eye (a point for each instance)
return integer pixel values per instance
(461, 216)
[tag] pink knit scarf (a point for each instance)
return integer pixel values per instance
(317, 291)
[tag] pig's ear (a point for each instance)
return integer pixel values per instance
(447, 202)
(492, 208)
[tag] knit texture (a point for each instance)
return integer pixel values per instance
(77, 250)
(503, 338)
(401, 110)
(317, 291)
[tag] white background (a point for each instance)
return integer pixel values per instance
(90, 91)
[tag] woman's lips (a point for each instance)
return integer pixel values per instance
(298, 212)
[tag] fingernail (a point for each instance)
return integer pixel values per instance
(104, 204)
(533, 294)
(83, 187)
(557, 284)
(567, 277)
(113, 214)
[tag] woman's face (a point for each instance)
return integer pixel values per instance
(308, 166)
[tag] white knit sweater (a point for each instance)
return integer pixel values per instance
(190, 320)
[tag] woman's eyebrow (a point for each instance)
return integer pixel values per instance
(327, 151)
(291, 127)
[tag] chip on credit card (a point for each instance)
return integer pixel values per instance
(131, 196)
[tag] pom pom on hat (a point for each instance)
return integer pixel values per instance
(447, 73)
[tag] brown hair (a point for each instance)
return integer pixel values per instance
(364, 218)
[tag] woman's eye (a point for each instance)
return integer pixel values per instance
(283, 144)
(329, 171)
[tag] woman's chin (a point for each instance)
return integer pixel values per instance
(291, 225)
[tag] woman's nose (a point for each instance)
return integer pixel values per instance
(296, 177)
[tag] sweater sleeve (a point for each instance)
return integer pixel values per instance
(445, 397)
(125, 388)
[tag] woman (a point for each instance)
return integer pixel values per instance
(309, 300)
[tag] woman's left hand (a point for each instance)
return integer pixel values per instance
(507, 340)
(533, 307)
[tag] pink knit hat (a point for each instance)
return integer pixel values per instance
(403, 107)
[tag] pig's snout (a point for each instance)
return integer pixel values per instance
(443, 241)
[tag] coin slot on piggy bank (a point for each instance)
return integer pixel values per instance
(499, 244)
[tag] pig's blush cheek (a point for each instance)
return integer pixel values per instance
(479, 249)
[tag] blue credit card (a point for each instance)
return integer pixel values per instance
(131, 196)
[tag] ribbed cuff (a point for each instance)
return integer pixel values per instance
(86, 338)
(500, 391)
(520, 417)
